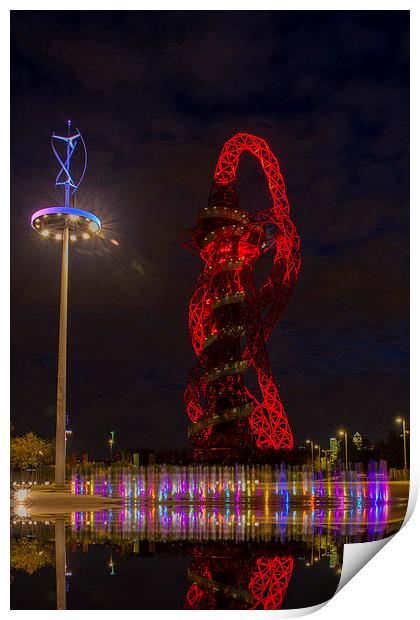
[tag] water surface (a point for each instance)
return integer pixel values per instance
(198, 541)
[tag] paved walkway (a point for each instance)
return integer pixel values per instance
(46, 500)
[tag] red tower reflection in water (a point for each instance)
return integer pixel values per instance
(230, 318)
(224, 581)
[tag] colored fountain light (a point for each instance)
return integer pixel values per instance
(64, 224)
(232, 486)
(231, 319)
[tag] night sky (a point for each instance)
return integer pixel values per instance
(156, 94)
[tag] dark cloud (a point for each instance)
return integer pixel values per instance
(156, 95)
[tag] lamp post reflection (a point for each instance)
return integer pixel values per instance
(111, 564)
(60, 561)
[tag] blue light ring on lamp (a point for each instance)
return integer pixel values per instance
(71, 211)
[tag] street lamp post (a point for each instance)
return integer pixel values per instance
(111, 444)
(326, 452)
(404, 436)
(309, 441)
(64, 223)
(344, 433)
(68, 435)
(60, 429)
(317, 447)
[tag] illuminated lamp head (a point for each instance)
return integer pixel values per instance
(21, 495)
(52, 221)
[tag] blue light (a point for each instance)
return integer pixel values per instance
(68, 211)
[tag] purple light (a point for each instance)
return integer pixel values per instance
(68, 211)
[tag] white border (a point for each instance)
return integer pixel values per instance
(387, 586)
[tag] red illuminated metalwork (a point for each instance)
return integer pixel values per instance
(200, 593)
(194, 597)
(230, 318)
(223, 579)
(270, 581)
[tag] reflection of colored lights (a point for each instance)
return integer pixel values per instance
(22, 511)
(135, 522)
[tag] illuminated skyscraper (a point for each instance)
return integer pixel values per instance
(357, 441)
(334, 448)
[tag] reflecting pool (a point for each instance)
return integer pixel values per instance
(199, 540)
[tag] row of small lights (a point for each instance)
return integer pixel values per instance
(59, 236)
(226, 297)
(73, 218)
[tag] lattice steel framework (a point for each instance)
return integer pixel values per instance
(269, 581)
(234, 582)
(230, 318)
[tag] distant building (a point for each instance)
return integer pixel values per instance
(333, 556)
(334, 450)
(142, 457)
(357, 441)
(334, 446)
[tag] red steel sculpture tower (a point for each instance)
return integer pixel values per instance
(230, 318)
